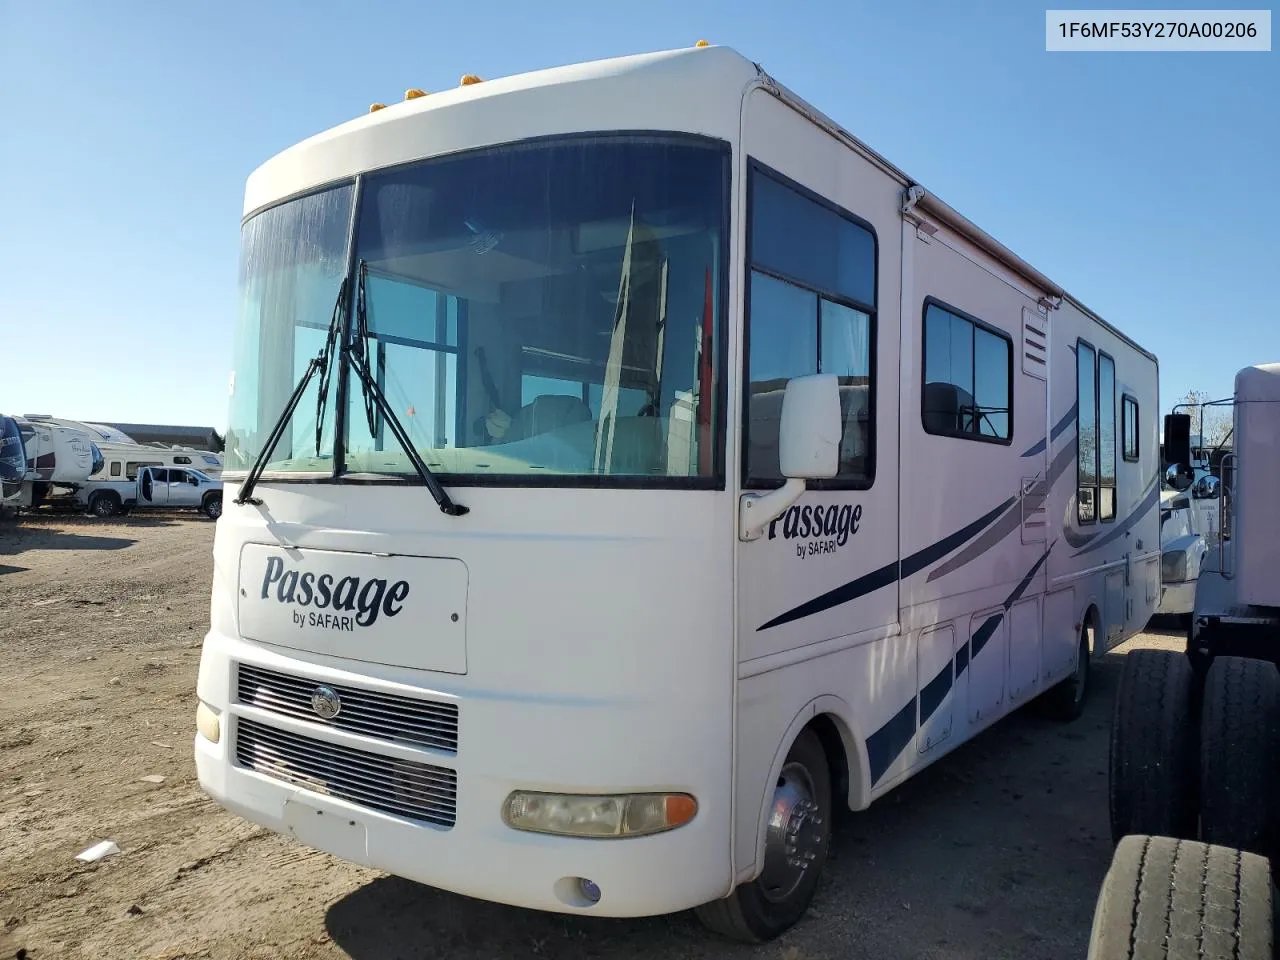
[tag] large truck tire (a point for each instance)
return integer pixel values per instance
(1239, 734)
(1153, 781)
(1167, 899)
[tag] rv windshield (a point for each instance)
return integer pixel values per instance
(541, 310)
(292, 261)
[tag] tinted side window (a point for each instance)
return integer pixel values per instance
(1106, 438)
(811, 310)
(967, 390)
(115, 468)
(181, 459)
(1129, 427)
(1086, 434)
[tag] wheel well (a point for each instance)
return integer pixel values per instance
(837, 759)
(107, 494)
(1092, 621)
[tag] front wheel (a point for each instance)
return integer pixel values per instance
(1065, 702)
(796, 843)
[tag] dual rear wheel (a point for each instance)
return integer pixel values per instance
(1192, 764)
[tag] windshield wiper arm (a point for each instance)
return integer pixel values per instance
(355, 352)
(320, 363)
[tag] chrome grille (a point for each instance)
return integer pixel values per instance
(385, 716)
(404, 788)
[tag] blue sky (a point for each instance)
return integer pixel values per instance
(1143, 183)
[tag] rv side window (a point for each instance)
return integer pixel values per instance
(967, 389)
(811, 309)
(132, 467)
(115, 468)
(181, 459)
(1086, 434)
(1129, 427)
(1106, 438)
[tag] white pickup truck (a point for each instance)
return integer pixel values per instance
(170, 487)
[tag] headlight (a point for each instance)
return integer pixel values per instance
(1173, 566)
(207, 722)
(624, 815)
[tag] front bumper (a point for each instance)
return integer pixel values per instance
(1177, 598)
(478, 855)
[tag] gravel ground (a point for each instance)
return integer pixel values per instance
(997, 851)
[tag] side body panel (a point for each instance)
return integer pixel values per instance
(963, 595)
(816, 612)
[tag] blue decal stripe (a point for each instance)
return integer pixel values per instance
(889, 573)
(885, 745)
(933, 693)
(1054, 434)
(985, 632)
(1140, 511)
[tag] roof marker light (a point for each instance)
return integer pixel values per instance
(468, 79)
(702, 43)
(374, 107)
(413, 93)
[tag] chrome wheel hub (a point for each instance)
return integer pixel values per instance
(795, 835)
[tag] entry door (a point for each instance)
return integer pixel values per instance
(827, 566)
(159, 487)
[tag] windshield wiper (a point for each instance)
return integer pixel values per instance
(375, 399)
(320, 363)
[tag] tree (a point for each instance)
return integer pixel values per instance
(1216, 422)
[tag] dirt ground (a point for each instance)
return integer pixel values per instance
(995, 852)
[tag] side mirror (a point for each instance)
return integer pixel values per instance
(811, 427)
(1206, 488)
(1178, 476)
(809, 434)
(1177, 438)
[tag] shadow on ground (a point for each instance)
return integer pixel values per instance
(45, 539)
(995, 851)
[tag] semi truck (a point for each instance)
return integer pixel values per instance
(1195, 741)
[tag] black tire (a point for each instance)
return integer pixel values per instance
(1065, 700)
(1167, 899)
(212, 506)
(761, 909)
(1239, 732)
(104, 505)
(1152, 787)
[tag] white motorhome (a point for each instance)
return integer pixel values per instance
(626, 467)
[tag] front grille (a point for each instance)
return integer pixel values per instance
(385, 716)
(404, 788)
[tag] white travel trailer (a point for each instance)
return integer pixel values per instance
(59, 459)
(627, 466)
